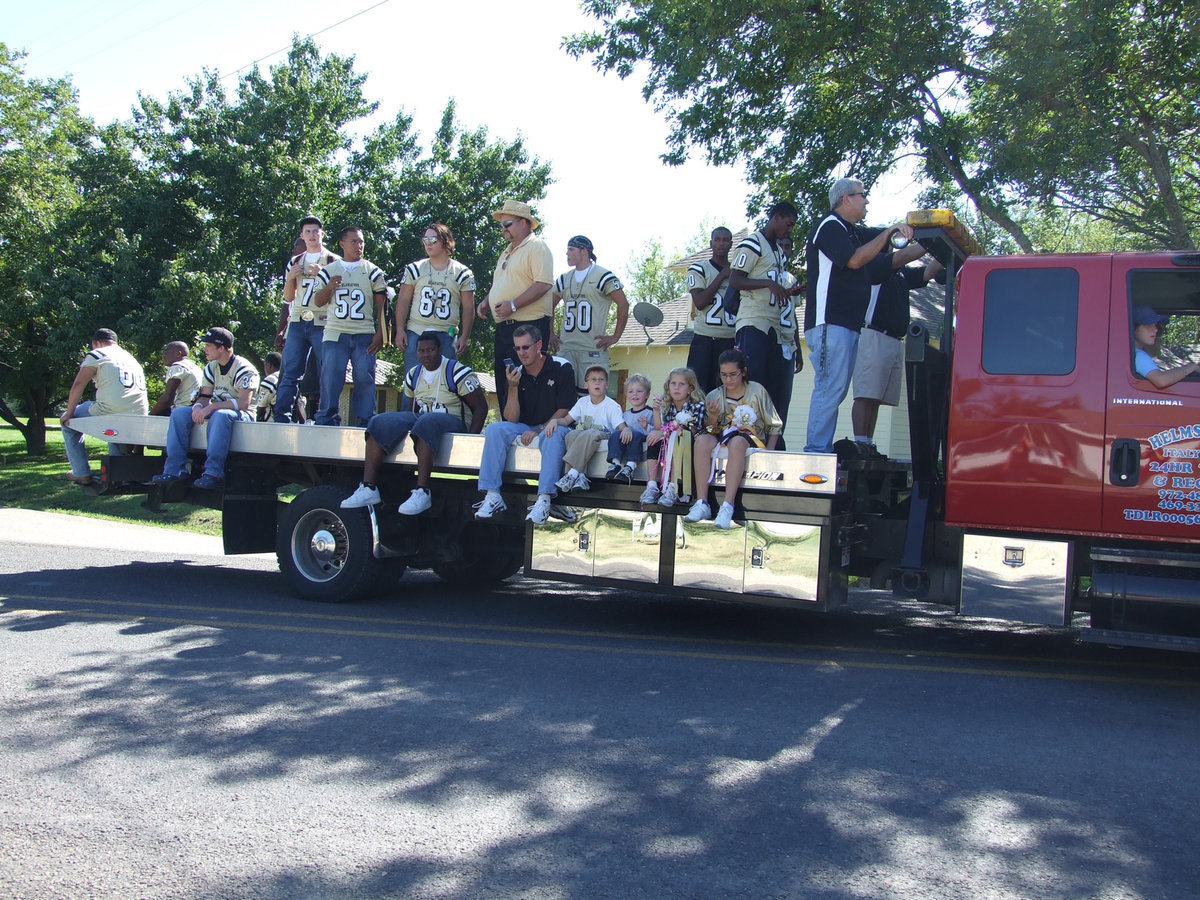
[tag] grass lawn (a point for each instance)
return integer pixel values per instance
(32, 482)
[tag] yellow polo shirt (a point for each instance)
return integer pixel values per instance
(519, 267)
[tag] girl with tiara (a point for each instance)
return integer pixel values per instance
(679, 416)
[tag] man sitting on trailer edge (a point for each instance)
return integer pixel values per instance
(539, 389)
(226, 394)
(435, 394)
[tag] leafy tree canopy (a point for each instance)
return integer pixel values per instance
(183, 217)
(1087, 104)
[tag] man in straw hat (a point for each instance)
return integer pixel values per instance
(520, 293)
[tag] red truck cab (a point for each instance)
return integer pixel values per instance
(1050, 428)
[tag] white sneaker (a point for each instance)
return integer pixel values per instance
(698, 511)
(566, 484)
(649, 495)
(581, 483)
(418, 501)
(670, 495)
(364, 496)
(724, 516)
(489, 506)
(540, 511)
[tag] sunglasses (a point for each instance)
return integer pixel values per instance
(429, 240)
(509, 223)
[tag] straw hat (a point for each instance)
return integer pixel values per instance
(516, 208)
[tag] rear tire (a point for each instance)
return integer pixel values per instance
(480, 571)
(326, 552)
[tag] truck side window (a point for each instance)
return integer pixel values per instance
(1030, 321)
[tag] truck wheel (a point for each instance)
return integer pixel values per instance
(481, 570)
(324, 551)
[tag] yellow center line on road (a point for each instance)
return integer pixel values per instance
(815, 661)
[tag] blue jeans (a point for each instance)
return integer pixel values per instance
(633, 452)
(335, 354)
(301, 338)
(390, 428)
(832, 350)
(410, 352)
(219, 433)
(76, 449)
(498, 437)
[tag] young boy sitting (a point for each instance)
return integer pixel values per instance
(597, 416)
(627, 445)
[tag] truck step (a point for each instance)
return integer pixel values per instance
(1114, 637)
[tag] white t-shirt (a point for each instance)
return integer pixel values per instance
(605, 416)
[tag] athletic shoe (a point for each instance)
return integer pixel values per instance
(562, 513)
(566, 484)
(208, 483)
(625, 476)
(649, 495)
(582, 483)
(670, 495)
(698, 511)
(363, 496)
(165, 478)
(418, 501)
(489, 506)
(724, 516)
(540, 511)
(612, 472)
(685, 499)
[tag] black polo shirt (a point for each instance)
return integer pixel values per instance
(889, 312)
(540, 396)
(837, 295)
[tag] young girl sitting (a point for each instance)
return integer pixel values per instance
(740, 414)
(679, 415)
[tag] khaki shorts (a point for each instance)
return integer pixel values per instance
(581, 360)
(879, 367)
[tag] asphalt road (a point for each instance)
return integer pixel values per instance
(175, 725)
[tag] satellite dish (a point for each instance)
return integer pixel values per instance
(647, 314)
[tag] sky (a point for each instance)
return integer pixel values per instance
(502, 63)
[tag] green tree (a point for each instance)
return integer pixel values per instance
(1087, 104)
(647, 278)
(41, 135)
(183, 216)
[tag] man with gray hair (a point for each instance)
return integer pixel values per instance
(842, 262)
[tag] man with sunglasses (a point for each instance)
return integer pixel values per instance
(843, 259)
(520, 293)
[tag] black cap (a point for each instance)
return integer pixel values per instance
(222, 337)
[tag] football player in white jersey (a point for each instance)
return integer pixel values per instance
(757, 271)
(226, 396)
(304, 326)
(587, 292)
(437, 394)
(355, 291)
(436, 294)
(183, 379)
(713, 326)
(120, 388)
